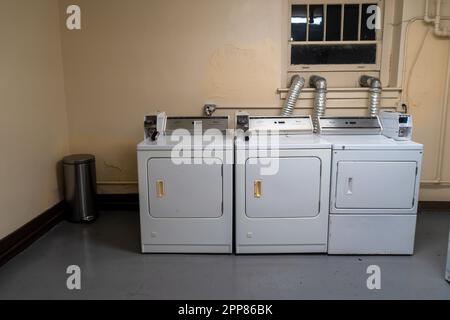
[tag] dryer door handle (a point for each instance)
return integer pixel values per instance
(257, 188)
(349, 186)
(160, 192)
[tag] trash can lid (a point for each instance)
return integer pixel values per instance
(78, 159)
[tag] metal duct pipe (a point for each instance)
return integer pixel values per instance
(374, 93)
(297, 84)
(320, 99)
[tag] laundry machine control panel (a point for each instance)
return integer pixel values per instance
(281, 125)
(349, 125)
(194, 124)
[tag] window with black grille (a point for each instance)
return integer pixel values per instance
(346, 34)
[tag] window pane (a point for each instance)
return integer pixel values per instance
(351, 21)
(334, 15)
(366, 32)
(334, 54)
(298, 23)
(316, 23)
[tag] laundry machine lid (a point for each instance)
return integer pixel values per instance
(309, 141)
(169, 142)
(370, 142)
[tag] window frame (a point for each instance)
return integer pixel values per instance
(335, 67)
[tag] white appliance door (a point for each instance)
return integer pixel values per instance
(375, 185)
(293, 192)
(184, 191)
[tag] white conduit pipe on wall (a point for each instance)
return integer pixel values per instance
(436, 21)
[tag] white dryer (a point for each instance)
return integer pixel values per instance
(375, 185)
(282, 177)
(186, 190)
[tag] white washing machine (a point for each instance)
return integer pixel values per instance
(186, 198)
(375, 185)
(282, 178)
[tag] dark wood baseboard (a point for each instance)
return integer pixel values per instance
(23, 237)
(434, 206)
(125, 202)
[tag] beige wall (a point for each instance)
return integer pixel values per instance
(135, 57)
(33, 120)
(138, 56)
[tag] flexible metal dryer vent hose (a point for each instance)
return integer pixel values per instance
(320, 99)
(297, 84)
(374, 93)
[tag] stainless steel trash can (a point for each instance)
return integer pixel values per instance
(80, 187)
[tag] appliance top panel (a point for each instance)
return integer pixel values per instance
(282, 142)
(281, 125)
(168, 142)
(369, 142)
(350, 125)
(202, 124)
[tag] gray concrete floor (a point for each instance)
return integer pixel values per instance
(107, 252)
